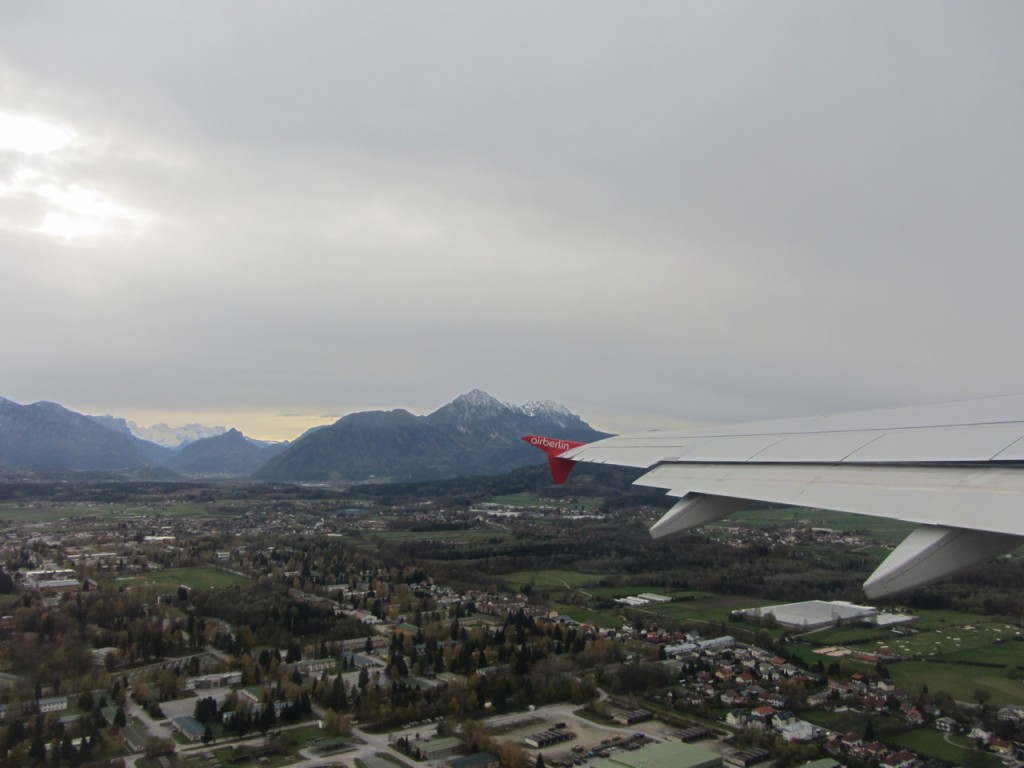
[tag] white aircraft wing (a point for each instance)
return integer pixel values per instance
(956, 470)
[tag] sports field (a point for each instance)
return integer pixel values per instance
(194, 578)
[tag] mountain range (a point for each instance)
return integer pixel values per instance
(475, 434)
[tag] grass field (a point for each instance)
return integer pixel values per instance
(710, 609)
(532, 500)
(195, 578)
(946, 635)
(840, 722)
(848, 636)
(955, 652)
(48, 513)
(958, 680)
(554, 579)
(586, 615)
(955, 639)
(1006, 654)
(14, 512)
(932, 743)
(882, 528)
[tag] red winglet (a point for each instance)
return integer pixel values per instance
(553, 446)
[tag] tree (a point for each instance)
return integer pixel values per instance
(512, 755)
(156, 746)
(38, 749)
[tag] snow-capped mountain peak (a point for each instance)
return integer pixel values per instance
(545, 408)
(477, 399)
(174, 437)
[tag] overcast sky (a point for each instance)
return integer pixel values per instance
(267, 214)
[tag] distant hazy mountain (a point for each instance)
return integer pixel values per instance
(174, 437)
(230, 453)
(154, 453)
(48, 436)
(475, 434)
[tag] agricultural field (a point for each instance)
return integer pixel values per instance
(41, 512)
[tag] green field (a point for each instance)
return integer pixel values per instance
(1005, 654)
(533, 500)
(554, 579)
(951, 651)
(946, 635)
(932, 743)
(195, 578)
(44, 512)
(839, 722)
(848, 636)
(881, 528)
(49, 513)
(958, 680)
(953, 639)
(709, 609)
(586, 615)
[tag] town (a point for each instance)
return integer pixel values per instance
(157, 624)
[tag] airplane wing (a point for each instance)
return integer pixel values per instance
(956, 470)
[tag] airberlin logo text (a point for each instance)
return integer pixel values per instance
(547, 442)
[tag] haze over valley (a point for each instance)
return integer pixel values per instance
(475, 434)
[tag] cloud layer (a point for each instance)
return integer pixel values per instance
(653, 214)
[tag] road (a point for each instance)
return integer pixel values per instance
(510, 727)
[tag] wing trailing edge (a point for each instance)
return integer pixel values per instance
(955, 470)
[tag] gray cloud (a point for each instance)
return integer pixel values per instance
(652, 214)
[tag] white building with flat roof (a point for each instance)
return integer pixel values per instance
(813, 614)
